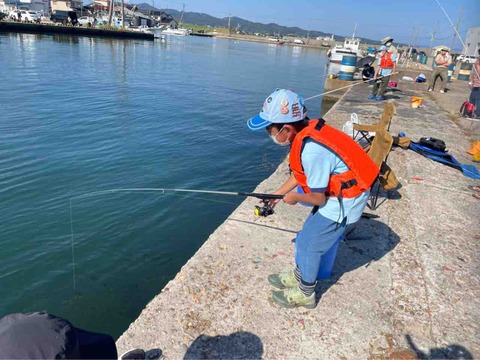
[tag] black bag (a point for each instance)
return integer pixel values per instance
(434, 144)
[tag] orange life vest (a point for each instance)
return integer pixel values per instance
(386, 61)
(349, 184)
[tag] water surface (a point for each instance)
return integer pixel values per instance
(84, 114)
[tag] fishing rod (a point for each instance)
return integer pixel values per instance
(264, 210)
(353, 84)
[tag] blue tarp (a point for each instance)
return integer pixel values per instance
(445, 158)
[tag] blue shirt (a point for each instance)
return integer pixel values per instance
(318, 163)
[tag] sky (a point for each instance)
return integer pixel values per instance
(404, 20)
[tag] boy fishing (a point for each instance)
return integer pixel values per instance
(335, 175)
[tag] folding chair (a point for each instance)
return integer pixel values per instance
(361, 131)
(379, 149)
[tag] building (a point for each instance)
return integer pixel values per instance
(66, 5)
(34, 5)
(472, 41)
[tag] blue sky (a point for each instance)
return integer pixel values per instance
(376, 19)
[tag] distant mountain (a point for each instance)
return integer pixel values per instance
(202, 19)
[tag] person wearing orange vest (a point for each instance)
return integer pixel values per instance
(387, 63)
(334, 174)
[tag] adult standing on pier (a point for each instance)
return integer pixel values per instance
(386, 65)
(442, 62)
(335, 175)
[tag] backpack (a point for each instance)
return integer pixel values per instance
(467, 109)
(434, 144)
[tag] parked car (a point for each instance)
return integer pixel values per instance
(64, 17)
(467, 59)
(14, 14)
(299, 41)
(31, 16)
(87, 21)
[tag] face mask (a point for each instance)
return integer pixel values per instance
(274, 139)
(388, 43)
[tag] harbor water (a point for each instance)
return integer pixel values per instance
(88, 114)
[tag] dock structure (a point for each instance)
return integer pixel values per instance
(15, 27)
(406, 284)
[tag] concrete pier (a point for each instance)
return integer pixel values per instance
(405, 285)
(6, 26)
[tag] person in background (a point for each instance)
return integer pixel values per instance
(387, 64)
(388, 42)
(335, 175)
(475, 81)
(442, 61)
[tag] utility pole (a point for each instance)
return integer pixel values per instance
(455, 29)
(123, 14)
(308, 32)
(229, 19)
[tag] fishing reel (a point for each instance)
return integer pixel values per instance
(264, 210)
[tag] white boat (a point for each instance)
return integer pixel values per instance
(350, 47)
(177, 32)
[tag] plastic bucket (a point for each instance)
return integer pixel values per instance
(464, 72)
(451, 67)
(347, 68)
(423, 59)
(328, 260)
(416, 101)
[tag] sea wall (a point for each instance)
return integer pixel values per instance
(6, 26)
(406, 283)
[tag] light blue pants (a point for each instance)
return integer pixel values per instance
(316, 238)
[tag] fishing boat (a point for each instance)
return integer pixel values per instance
(351, 46)
(177, 32)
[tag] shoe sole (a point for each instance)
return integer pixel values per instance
(288, 306)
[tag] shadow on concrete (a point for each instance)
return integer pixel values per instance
(263, 225)
(366, 241)
(448, 352)
(239, 345)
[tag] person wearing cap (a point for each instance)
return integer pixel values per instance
(386, 65)
(442, 62)
(388, 42)
(334, 174)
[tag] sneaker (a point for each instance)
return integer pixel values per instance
(283, 280)
(379, 98)
(442, 91)
(371, 96)
(430, 89)
(294, 297)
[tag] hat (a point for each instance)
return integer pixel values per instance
(45, 336)
(386, 39)
(281, 106)
(444, 49)
(381, 48)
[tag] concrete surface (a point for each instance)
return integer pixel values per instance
(405, 284)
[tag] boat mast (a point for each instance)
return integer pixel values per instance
(354, 30)
(181, 17)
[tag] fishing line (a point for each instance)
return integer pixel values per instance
(456, 32)
(162, 192)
